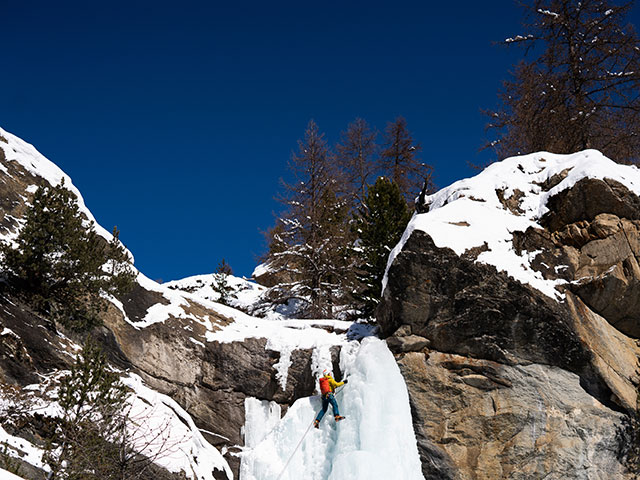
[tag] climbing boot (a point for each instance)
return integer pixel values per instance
(339, 417)
(316, 423)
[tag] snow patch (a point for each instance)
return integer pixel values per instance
(21, 449)
(246, 291)
(8, 331)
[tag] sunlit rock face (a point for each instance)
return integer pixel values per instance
(531, 367)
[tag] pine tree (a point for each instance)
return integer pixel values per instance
(87, 442)
(221, 283)
(581, 91)
(380, 222)
(121, 274)
(399, 161)
(310, 245)
(356, 158)
(57, 261)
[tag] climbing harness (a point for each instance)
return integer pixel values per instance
(338, 390)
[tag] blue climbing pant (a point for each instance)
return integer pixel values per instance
(329, 399)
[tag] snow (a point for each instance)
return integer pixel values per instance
(166, 433)
(469, 213)
(246, 291)
(5, 475)
(159, 312)
(20, 448)
(261, 269)
(518, 38)
(7, 331)
(158, 428)
(548, 13)
(285, 336)
(375, 441)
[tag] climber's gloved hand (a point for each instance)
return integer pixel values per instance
(346, 381)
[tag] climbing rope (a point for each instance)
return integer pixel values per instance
(302, 439)
(295, 450)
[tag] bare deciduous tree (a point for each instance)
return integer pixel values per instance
(583, 88)
(399, 160)
(356, 158)
(310, 243)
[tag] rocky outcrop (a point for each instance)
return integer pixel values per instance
(470, 309)
(516, 384)
(29, 345)
(210, 380)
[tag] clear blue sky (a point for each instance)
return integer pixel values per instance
(177, 119)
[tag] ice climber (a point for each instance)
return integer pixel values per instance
(327, 388)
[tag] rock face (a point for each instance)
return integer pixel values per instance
(209, 380)
(516, 384)
(595, 229)
(483, 419)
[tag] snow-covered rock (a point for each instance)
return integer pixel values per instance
(482, 213)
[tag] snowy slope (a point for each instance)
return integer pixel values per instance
(246, 292)
(159, 428)
(469, 212)
(376, 441)
(18, 447)
(4, 475)
(166, 433)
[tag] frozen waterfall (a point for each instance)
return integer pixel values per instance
(375, 441)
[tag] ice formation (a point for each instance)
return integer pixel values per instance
(375, 441)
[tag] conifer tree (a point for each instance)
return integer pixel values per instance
(121, 275)
(380, 222)
(221, 283)
(57, 261)
(86, 444)
(97, 435)
(580, 90)
(399, 161)
(310, 245)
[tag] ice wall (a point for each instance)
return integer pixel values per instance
(375, 441)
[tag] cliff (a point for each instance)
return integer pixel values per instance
(523, 283)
